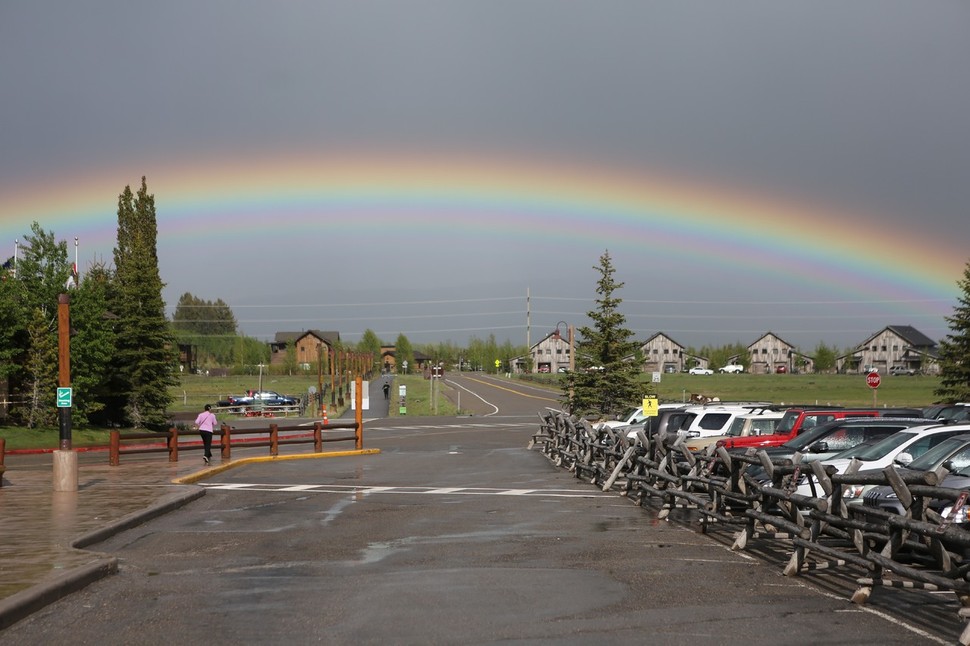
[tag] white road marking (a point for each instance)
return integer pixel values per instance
(447, 491)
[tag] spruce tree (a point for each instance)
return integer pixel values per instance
(41, 277)
(606, 380)
(146, 347)
(92, 346)
(954, 352)
(403, 353)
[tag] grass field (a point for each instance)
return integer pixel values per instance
(195, 391)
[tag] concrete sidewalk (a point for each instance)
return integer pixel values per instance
(43, 532)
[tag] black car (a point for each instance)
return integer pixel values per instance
(258, 398)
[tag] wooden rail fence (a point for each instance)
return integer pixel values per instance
(822, 531)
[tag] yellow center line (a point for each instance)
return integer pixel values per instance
(515, 392)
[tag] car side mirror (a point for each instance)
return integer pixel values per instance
(819, 447)
(903, 459)
(948, 465)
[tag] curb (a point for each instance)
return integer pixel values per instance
(22, 604)
(199, 475)
(26, 602)
(163, 506)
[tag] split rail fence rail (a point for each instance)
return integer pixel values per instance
(132, 443)
(917, 550)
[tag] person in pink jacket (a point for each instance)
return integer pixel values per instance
(206, 424)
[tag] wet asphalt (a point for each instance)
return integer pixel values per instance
(455, 533)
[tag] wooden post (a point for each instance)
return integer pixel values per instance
(317, 438)
(173, 444)
(114, 447)
(359, 414)
(225, 440)
(274, 435)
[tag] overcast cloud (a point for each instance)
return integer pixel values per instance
(864, 105)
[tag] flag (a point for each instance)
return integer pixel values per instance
(72, 280)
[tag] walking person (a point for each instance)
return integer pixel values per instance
(387, 390)
(206, 424)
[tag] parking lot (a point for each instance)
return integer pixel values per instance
(455, 533)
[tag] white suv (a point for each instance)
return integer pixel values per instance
(712, 420)
(732, 368)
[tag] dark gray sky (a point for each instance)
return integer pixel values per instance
(859, 107)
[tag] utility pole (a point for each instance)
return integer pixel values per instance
(65, 459)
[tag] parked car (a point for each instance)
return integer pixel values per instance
(799, 420)
(899, 449)
(731, 368)
(713, 419)
(634, 416)
(827, 440)
(697, 370)
(902, 370)
(954, 452)
(760, 422)
(260, 397)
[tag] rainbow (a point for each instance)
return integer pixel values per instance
(500, 199)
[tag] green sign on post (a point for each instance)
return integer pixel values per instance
(64, 397)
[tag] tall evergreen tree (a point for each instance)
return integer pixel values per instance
(41, 277)
(41, 379)
(370, 344)
(146, 346)
(954, 350)
(606, 381)
(403, 352)
(92, 346)
(210, 326)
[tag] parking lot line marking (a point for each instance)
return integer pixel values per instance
(438, 491)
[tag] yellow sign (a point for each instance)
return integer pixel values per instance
(650, 407)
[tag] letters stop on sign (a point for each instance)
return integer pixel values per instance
(873, 380)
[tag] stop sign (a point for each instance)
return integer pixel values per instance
(873, 379)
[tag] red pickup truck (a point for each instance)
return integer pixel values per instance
(795, 421)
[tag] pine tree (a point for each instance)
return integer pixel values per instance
(370, 344)
(92, 346)
(606, 381)
(403, 353)
(146, 346)
(41, 370)
(954, 353)
(41, 277)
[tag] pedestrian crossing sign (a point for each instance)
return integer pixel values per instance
(650, 407)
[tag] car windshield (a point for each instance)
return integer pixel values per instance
(737, 427)
(787, 423)
(806, 438)
(879, 449)
(939, 453)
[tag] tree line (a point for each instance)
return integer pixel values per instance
(607, 382)
(123, 354)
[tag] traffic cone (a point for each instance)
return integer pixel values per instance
(325, 420)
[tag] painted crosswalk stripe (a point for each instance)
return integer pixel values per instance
(438, 491)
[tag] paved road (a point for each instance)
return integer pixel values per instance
(454, 534)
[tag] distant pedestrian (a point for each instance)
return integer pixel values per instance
(205, 423)
(387, 390)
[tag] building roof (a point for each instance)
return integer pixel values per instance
(663, 334)
(330, 337)
(770, 333)
(907, 333)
